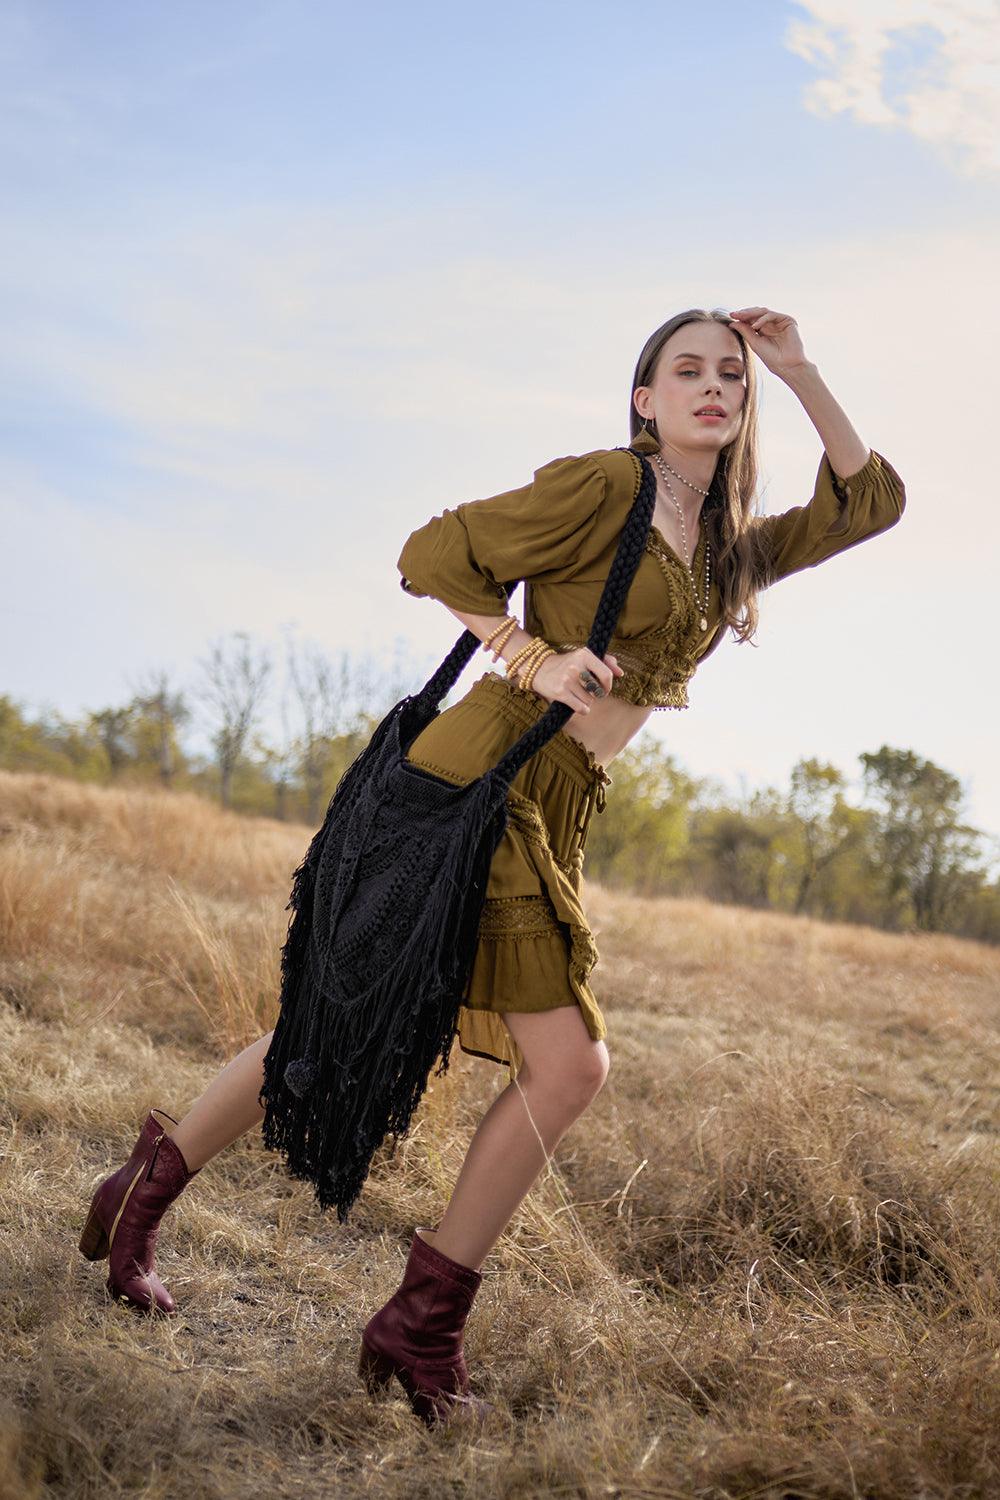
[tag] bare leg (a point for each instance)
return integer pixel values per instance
(563, 1071)
(228, 1108)
(126, 1210)
(417, 1337)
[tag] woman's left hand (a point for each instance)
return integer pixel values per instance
(774, 337)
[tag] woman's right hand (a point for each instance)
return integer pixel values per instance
(560, 678)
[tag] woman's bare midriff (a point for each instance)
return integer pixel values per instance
(608, 727)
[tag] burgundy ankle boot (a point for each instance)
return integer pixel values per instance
(418, 1336)
(125, 1216)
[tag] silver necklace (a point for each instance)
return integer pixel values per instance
(664, 465)
(702, 607)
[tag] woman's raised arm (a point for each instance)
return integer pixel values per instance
(775, 339)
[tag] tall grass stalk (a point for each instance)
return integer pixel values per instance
(240, 1003)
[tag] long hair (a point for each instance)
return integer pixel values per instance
(740, 568)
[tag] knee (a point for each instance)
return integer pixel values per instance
(582, 1077)
(598, 1068)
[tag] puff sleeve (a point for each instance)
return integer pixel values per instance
(840, 514)
(570, 513)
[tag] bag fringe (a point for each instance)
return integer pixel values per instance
(365, 1017)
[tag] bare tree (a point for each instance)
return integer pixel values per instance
(235, 675)
(319, 695)
(160, 715)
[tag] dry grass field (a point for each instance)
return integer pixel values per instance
(764, 1265)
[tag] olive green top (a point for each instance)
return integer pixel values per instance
(559, 535)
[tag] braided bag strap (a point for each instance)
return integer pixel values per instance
(447, 674)
(631, 546)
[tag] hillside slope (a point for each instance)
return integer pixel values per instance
(764, 1264)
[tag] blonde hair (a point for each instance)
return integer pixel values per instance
(739, 566)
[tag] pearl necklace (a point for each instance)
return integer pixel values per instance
(702, 607)
(664, 465)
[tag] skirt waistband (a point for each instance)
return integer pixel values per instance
(522, 710)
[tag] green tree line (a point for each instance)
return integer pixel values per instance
(902, 858)
(274, 737)
(900, 855)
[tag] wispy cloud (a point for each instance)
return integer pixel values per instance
(931, 67)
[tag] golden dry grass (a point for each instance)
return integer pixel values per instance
(764, 1265)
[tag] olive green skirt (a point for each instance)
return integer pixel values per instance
(535, 950)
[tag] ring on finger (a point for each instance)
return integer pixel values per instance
(590, 683)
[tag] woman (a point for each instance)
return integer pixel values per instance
(694, 415)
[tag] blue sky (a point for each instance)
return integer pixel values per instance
(278, 281)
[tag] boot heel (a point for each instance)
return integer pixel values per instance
(375, 1370)
(94, 1243)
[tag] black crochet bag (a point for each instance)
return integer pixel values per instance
(385, 917)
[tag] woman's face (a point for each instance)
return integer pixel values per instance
(698, 389)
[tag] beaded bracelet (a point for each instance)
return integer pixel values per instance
(498, 638)
(525, 663)
(533, 665)
(520, 658)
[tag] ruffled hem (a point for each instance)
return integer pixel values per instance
(538, 955)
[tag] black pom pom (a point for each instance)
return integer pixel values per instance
(300, 1076)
